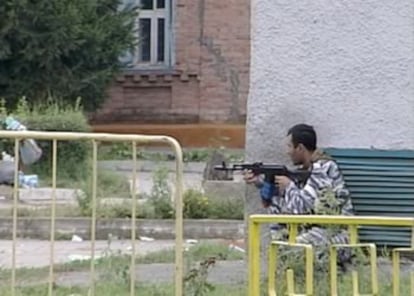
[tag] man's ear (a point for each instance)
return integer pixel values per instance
(301, 147)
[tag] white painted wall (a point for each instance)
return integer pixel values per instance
(344, 66)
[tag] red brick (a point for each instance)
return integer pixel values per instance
(208, 49)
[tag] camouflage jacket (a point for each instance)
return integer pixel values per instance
(324, 192)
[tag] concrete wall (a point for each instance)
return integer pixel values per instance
(345, 67)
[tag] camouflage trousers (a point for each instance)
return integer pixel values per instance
(320, 238)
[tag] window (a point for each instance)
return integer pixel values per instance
(154, 34)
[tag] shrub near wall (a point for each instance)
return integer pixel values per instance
(73, 156)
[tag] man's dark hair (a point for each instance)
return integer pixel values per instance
(303, 134)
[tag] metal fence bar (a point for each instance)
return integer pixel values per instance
(333, 220)
(373, 264)
(412, 283)
(100, 137)
(179, 225)
(254, 257)
(95, 138)
(412, 273)
(272, 269)
(93, 218)
(255, 221)
(353, 239)
(15, 199)
(396, 270)
(53, 216)
(133, 220)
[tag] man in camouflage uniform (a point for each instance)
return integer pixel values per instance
(324, 192)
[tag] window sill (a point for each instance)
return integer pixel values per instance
(150, 71)
(156, 72)
(160, 75)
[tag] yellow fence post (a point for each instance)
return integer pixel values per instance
(93, 218)
(96, 138)
(272, 269)
(255, 221)
(254, 258)
(133, 219)
(53, 216)
(179, 224)
(373, 263)
(396, 266)
(15, 199)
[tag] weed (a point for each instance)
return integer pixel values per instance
(195, 282)
(114, 270)
(160, 197)
(109, 184)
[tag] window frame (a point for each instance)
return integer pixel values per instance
(154, 14)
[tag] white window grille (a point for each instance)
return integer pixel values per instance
(154, 27)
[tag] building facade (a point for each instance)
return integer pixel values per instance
(191, 65)
(347, 69)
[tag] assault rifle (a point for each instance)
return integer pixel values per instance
(269, 170)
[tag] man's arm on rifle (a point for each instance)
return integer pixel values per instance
(251, 178)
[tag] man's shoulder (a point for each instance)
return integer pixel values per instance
(327, 168)
(322, 160)
(325, 164)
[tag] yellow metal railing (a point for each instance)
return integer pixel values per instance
(95, 138)
(293, 222)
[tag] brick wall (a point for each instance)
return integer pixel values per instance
(209, 80)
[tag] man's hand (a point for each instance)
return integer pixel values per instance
(249, 177)
(282, 182)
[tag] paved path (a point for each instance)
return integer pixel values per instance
(36, 253)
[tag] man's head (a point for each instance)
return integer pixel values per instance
(302, 143)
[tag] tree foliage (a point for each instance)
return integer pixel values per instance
(62, 48)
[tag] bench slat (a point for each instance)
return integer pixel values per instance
(382, 184)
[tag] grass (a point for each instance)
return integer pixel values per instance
(114, 277)
(345, 286)
(153, 205)
(114, 260)
(115, 189)
(123, 151)
(145, 210)
(109, 184)
(198, 207)
(197, 252)
(110, 289)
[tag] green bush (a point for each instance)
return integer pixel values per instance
(63, 49)
(73, 157)
(196, 205)
(226, 209)
(159, 206)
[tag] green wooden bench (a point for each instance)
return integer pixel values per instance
(382, 184)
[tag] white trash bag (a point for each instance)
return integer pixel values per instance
(30, 152)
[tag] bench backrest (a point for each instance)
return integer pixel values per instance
(382, 184)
